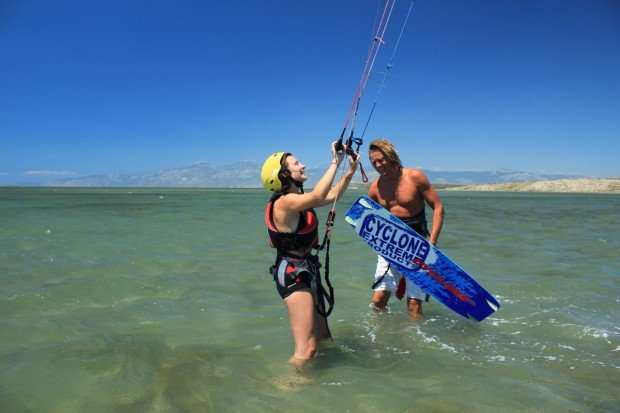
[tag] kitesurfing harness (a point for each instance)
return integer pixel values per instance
(292, 272)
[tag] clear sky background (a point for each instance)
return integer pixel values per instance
(105, 86)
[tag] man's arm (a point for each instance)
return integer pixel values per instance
(432, 199)
(372, 191)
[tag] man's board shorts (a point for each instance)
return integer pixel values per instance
(387, 278)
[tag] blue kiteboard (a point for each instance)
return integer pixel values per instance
(420, 261)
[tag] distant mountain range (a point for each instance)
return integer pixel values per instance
(246, 174)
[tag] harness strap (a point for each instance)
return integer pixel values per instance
(331, 299)
(328, 296)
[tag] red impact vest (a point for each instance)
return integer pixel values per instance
(304, 238)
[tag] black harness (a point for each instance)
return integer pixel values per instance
(292, 273)
(306, 271)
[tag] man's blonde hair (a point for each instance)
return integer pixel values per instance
(387, 149)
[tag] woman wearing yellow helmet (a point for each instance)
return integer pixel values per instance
(293, 230)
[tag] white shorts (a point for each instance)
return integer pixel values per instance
(391, 277)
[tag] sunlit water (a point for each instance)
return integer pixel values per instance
(159, 300)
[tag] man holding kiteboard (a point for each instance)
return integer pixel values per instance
(404, 192)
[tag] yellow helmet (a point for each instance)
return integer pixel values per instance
(270, 171)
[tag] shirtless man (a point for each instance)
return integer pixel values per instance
(403, 192)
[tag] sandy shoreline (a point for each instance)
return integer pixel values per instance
(598, 185)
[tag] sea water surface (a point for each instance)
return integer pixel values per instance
(159, 300)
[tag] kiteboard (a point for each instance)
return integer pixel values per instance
(420, 261)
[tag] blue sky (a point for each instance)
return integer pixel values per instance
(93, 87)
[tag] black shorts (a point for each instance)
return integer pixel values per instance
(293, 274)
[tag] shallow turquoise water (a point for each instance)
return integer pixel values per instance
(159, 300)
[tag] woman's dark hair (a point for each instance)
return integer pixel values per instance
(285, 175)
